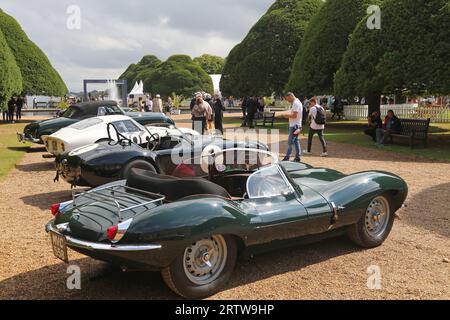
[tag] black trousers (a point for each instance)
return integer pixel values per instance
(313, 132)
(19, 114)
(11, 115)
(218, 122)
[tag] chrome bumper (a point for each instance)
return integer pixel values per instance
(92, 246)
(22, 138)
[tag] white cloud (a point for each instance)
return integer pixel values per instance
(113, 35)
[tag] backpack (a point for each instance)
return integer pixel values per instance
(321, 118)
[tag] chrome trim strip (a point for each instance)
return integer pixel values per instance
(92, 246)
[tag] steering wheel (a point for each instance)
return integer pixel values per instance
(154, 140)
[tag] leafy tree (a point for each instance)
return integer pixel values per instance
(211, 64)
(410, 53)
(10, 76)
(141, 70)
(179, 74)
(325, 42)
(37, 73)
(261, 63)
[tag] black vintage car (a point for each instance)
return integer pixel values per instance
(108, 161)
(77, 112)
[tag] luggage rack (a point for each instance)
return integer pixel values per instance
(112, 192)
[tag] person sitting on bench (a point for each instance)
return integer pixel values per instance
(391, 126)
(374, 123)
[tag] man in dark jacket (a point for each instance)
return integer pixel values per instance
(19, 106)
(11, 109)
(218, 109)
(391, 126)
(252, 108)
(374, 123)
(244, 105)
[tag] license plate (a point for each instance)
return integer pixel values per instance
(59, 246)
(54, 146)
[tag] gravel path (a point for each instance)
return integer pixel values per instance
(413, 262)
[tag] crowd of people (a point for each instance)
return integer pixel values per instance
(13, 112)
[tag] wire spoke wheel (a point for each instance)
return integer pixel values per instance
(205, 260)
(377, 217)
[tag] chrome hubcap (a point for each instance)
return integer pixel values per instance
(205, 260)
(377, 217)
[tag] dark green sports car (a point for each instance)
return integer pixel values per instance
(78, 112)
(194, 226)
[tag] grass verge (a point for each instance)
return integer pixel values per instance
(11, 151)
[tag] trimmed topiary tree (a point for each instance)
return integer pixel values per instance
(10, 76)
(261, 63)
(211, 64)
(325, 42)
(141, 70)
(37, 73)
(410, 53)
(179, 74)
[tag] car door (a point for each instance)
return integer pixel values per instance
(274, 204)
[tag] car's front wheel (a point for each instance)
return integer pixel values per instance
(203, 268)
(375, 225)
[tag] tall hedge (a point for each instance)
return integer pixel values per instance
(10, 76)
(141, 70)
(261, 63)
(211, 64)
(410, 53)
(325, 42)
(37, 73)
(179, 74)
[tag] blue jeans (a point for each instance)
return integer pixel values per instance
(293, 140)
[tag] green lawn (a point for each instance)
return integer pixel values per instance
(11, 151)
(351, 132)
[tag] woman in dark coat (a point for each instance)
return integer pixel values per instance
(218, 113)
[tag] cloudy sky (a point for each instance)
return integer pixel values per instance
(114, 34)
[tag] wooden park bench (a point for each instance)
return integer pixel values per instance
(265, 118)
(415, 130)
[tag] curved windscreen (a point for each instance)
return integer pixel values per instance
(267, 182)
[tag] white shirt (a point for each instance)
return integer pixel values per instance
(313, 113)
(297, 106)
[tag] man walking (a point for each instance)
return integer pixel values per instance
(295, 126)
(318, 120)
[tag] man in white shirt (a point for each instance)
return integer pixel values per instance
(295, 126)
(316, 128)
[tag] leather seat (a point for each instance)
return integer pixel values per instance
(173, 188)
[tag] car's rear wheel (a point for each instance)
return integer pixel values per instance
(203, 268)
(375, 225)
(137, 164)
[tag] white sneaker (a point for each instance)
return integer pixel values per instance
(325, 154)
(306, 152)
